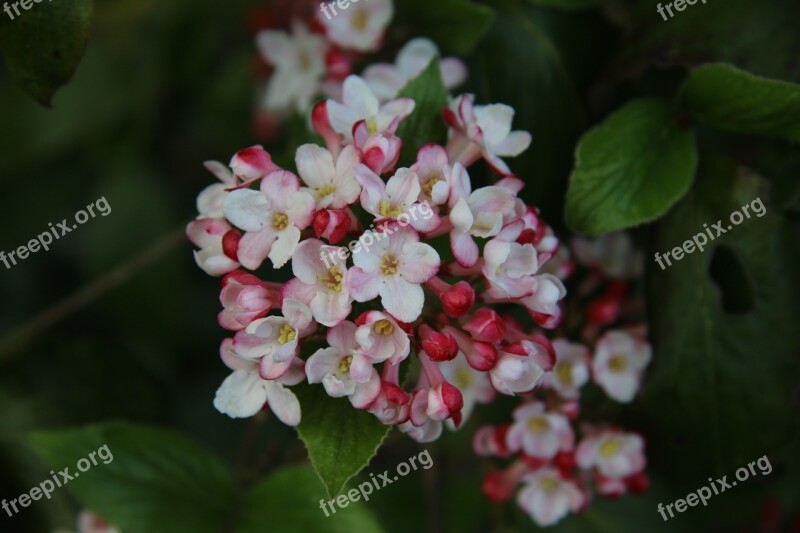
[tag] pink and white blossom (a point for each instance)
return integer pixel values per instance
(387, 80)
(509, 268)
(483, 131)
(618, 365)
(299, 61)
(395, 199)
(548, 497)
(615, 454)
(361, 26)
(272, 218)
(540, 433)
(320, 284)
(245, 298)
(361, 104)
(381, 338)
(208, 234)
(394, 268)
(433, 169)
(332, 184)
(244, 392)
(475, 386)
(521, 367)
(332, 367)
(571, 371)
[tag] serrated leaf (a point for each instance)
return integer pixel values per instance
(730, 99)
(157, 480)
(43, 45)
(630, 169)
(720, 388)
(340, 440)
(289, 500)
(425, 124)
(454, 25)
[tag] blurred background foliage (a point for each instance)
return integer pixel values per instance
(164, 86)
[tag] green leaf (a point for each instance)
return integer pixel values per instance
(340, 440)
(425, 124)
(156, 480)
(720, 388)
(568, 5)
(43, 45)
(730, 99)
(630, 169)
(289, 500)
(454, 25)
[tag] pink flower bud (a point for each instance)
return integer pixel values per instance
(457, 299)
(252, 163)
(486, 325)
(439, 346)
(230, 244)
(332, 224)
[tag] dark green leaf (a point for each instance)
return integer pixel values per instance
(538, 61)
(425, 124)
(720, 389)
(43, 45)
(732, 100)
(630, 169)
(290, 500)
(340, 440)
(156, 481)
(455, 25)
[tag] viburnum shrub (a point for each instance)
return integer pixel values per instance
(405, 267)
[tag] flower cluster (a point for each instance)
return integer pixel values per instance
(559, 459)
(396, 298)
(313, 58)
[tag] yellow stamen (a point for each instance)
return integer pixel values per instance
(359, 20)
(386, 210)
(383, 327)
(617, 363)
(538, 424)
(428, 186)
(287, 334)
(345, 363)
(280, 221)
(332, 279)
(564, 373)
(463, 378)
(609, 448)
(325, 191)
(548, 483)
(389, 265)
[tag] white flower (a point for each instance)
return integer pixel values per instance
(361, 104)
(333, 367)
(571, 371)
(521, 367)
(333, 185)
(299, 61)
(619, 362)
(395, 198)
(483, 131)
(539, 433)
(475, 386)
(479, 213)
(387, 80)
(320, 284)
(547, 497)
(616, 455)
(244, 392)
(207, 234)
(272, 217)
(509, 268)
(360, 25)
(394, 267)
(274, 339)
